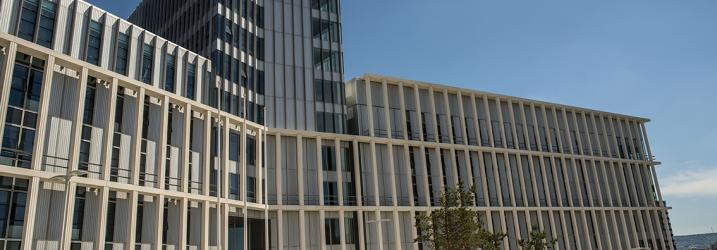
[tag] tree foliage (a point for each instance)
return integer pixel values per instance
(537, 240)
(456, 225)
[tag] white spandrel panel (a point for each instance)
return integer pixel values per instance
(291, 228)
(289, 171)
(312, 230)
(174, 173)
(94, 166)
(49, 210)
(61, 113)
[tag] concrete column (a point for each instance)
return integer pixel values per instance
(207, 153)
(369, 106)
(77, 121)
(519, 166)
(464, 128)
(374, 174)
(379, 229)
(302, 230)
(342, 228)
(279, 181)
(548, 199)
(29, 228)
(243, 182)
(260, 168)
(555, 183)
(597, 134)
(39, 149)
(565, 231)
(102, 218)
(137, 138)
(496, 175)
(504, 228)
(432, 101)
(361, 235)
(185, 185)
(477, 122)
(74, 157)
(548, 138)
(509, 174)
(340, 179)
(656, 226)
(300, 167)
(414, 231)
(164, 126)
(617, 192)
(561, 147)
(615, 226)
(447, 109)
(205, 227)
(488, 120)
(396, 230)
(223, 189)
(441, 176)
(409, 178)
(280, 229)
(647, 224)
(454, 169)
(569, 136)
(183, 223)
(583, 150)
(387, 110)
(320, 171)
(402, 102)
(108, 135)
(482, 167)
(499, 109)
(159, 211)
(424, 165)
(514, 128)
(598, 187)
(322, 232)
(224, 243)
(534, 181)
(566, 175)
(607, 230)
(469, 170)
(67, 220)
(536, 129)
(392, 173)
(132, 215)
(419, 114)
(357, 176)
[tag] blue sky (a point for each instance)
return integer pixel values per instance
(650, 58)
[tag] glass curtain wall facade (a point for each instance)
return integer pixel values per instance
(179, 144)
(283, 55)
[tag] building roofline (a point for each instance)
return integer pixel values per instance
(456, 89)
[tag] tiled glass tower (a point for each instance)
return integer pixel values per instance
(285, 55)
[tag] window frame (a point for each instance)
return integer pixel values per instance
(89, 48)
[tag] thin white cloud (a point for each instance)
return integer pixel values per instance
(701, 182)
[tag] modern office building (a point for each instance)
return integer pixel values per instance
(117, 138)
(285, 55)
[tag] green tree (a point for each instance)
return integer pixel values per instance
(537, 240)
(456, 225)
